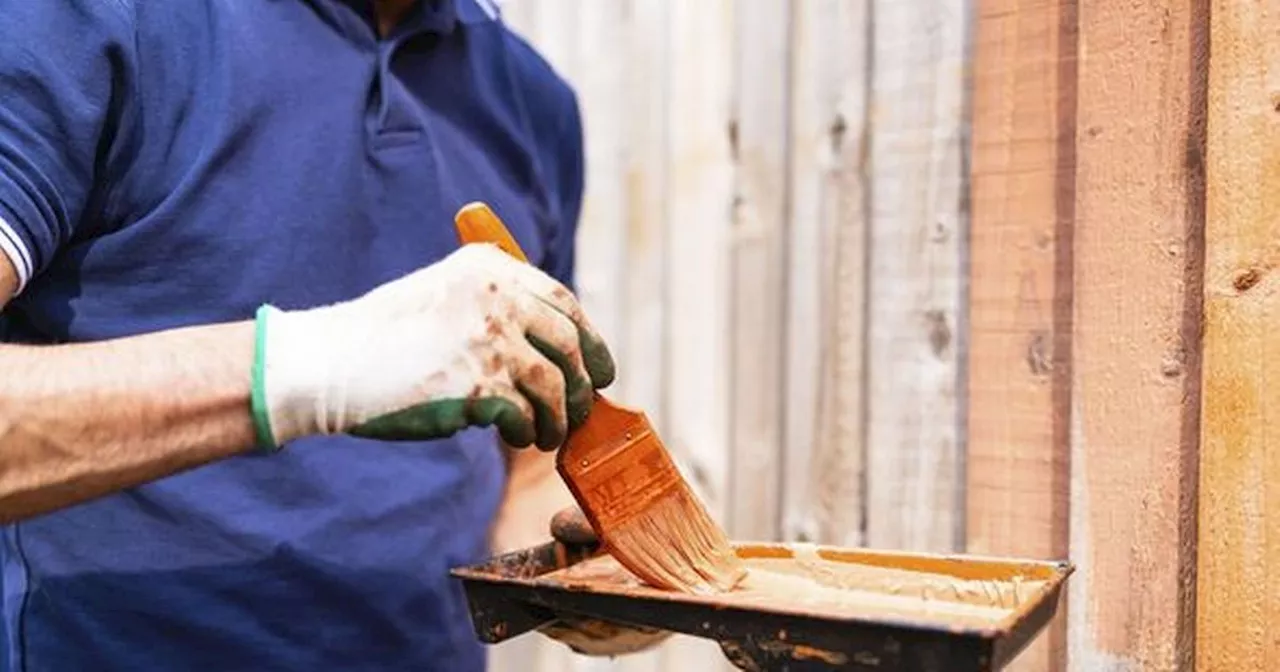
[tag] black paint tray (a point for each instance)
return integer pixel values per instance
(513, 594)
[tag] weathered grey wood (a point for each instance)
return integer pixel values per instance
(728, 262)
(917, 145)
(758, 139)
(826, 267)
(603, 90)
(700, 175)
(643, 347)
(699, 197)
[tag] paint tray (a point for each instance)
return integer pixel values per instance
(892, 612)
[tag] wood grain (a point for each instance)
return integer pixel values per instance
(602, 90)
(1023, 175)
(642, 102)
(758, 140)
(1135, 375)
(918, 224)
(700, 176)
(826, 274)
(1239, 520)
(699, 196)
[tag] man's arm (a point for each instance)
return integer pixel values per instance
(85, 420)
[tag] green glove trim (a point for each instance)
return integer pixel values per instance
(578, 393)
(445, 417)
(599, 362)
(258, 395)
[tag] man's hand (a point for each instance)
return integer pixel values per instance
(475, 339)
(589, 636)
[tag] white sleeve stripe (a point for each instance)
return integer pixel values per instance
(13, 247)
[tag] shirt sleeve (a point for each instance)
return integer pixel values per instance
(569, 184)
(63, 70)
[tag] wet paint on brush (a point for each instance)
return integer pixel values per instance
(644, 511)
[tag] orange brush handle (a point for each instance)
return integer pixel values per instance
(476, 223)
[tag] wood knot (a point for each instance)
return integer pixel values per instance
(939, 332)
(1039, 354)
(837, 130)
(1246, 279)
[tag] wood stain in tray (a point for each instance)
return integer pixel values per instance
(801, 606)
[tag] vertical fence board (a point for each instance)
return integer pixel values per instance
(1135, 389)
(758, 141)
(918, 223)
(644, 100)
(700, 198)
(826, 270)
(602, 236)
(643, 368)
(1239, 552)
(1020, 290)
(700, 194)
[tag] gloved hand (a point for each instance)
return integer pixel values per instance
(475, 339)
(590, 636)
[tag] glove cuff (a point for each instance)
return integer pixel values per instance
(290, 380)
(258, 400)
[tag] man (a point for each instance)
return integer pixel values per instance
(252, 389)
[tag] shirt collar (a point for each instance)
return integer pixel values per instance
(434, 16)
(442, 16)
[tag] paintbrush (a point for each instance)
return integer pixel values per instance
(623, 478)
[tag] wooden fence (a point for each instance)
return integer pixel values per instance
(931, 274)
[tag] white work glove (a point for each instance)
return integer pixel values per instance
(475, 339)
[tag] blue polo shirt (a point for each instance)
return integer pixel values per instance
(181, 162)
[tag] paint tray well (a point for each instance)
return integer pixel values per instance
(802, 607)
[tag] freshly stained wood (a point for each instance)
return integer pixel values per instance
(918, 225)
(1023, 174)
(1239, 554)
(826, 272)
(1137, 259)
(758, 141)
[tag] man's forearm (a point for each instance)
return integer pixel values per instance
(85, 420)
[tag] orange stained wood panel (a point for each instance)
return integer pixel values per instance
(1238, 620)
(1023, 174)
(1138, 264)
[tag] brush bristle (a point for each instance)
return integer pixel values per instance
(676, 545)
